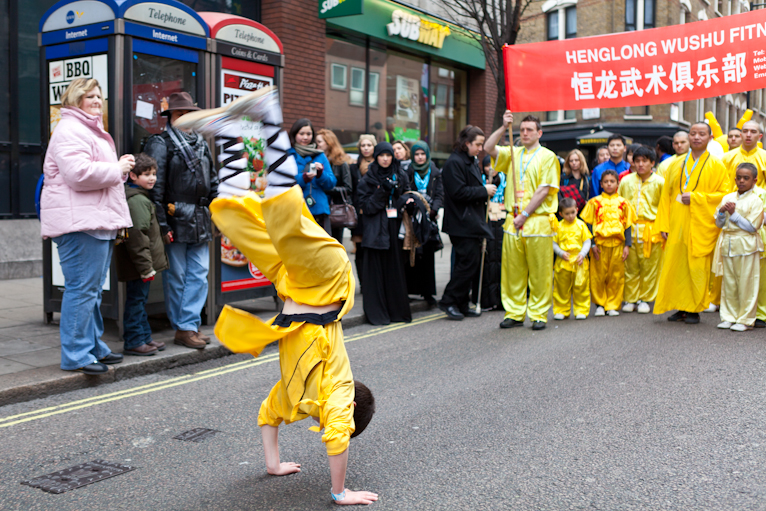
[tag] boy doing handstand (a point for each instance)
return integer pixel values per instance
(311, 273)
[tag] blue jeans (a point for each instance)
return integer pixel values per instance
(84, 262)
(135, 320)
(185, 284)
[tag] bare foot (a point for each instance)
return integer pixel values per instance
(357, 497)
(285, 469)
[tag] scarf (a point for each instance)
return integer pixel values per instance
(426, 166)
(182, 141)
(421, 183)
(307, 150)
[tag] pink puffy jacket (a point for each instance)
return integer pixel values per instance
(83, 182)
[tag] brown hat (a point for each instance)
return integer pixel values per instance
(180, 101)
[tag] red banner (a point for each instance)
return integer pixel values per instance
(647, 67)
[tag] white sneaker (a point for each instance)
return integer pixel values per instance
(581, 316)
(612, 313)
(559, 317)
(713, 308)
(599, 312)
(724, 325)
(643, 308)
(739, 327)
(629, 307)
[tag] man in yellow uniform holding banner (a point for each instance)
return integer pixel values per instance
(532, 198)
(694, 186)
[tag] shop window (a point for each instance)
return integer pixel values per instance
(374, 84)
(5, 82)
(338, 73)
(356, 94)
(448, 108)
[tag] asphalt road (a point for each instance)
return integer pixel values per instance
(608, 413)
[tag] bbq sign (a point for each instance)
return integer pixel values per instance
(648, 67)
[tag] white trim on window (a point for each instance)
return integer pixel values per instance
(337, 85)
(557, 4)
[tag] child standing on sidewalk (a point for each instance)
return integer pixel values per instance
(139, 258)
(570, 278)
(738, 252)
(611, 217)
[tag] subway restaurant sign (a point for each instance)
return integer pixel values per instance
(415, 28)
(336, 8)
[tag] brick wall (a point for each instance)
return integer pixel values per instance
(482, 92)
(303, 35)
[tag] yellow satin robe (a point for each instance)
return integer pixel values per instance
(571, 282)
(692, 233)
(642, 268)
(280, 237)
(739, 155)
(528, 255)
(610, 216)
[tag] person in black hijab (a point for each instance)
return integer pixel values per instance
(381, 204)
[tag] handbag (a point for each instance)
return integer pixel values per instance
(343, 214)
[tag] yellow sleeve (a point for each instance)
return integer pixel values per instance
(662, 222)
(630, 214)
(588, 214)
(755, 215)
(584, 232)
(503, 161)
(704, 232)
(550, 173)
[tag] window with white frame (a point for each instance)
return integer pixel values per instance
(356, 94)
(561, 23)
(338, 76)
(374, 84)
(686, 9)
(639, 14)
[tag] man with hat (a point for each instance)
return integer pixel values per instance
(186, 184)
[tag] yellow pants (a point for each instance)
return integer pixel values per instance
(527, 262)
(607, 278)
(761, 314)
(642, 274)
(714, 295)
(571, 286)
(739, 293)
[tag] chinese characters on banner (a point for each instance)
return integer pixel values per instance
(647, 67)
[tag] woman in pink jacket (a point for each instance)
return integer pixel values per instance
(82, 208)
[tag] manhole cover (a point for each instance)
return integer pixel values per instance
(196, 434)
(79, 475)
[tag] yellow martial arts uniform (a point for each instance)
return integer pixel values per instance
(642, 268)
(662, 168)
(571, 281)
(528, 254)
(279, 236)
(610, 216)
(691, 229)
(739, 155)
(737, 258)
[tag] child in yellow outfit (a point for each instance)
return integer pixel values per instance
(311, 273)
(738, 252)
(611, 217)
(643, 190)
(571, 281)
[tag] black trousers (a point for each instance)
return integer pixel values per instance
(465, 271)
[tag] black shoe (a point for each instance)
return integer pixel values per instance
(452, 312)
(679, 316)
(112, 358)
(510, 323)
(94, 368)
(471, 313)
(538, 325)
(759, 323)
(692, 318)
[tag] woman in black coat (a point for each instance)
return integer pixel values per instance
(426, 179)
(381, 205)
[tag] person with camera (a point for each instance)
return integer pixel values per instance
(315, 175)
(187, 182)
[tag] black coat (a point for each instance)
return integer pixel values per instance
(373, 199)
(435, 188)
(343, 184)
(465, 198)
(190, 193)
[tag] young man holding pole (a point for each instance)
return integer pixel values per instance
(531, 199)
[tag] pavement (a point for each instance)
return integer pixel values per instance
(30, 349)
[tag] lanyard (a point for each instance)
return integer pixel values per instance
(688, 175)
(524, 167)
(391, 197)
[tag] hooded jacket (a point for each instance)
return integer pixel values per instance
(83, 182)
(142, 254)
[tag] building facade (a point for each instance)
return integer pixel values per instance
(565, 19)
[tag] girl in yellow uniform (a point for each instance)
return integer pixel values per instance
(643, 190)
(611, 217)
(571, 280)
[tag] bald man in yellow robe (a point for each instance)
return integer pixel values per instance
(694, 186)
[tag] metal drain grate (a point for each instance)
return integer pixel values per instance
(77, 476)
(196, 434)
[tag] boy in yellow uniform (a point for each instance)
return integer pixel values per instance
(611, 217)
(571, 280)
(643, 189)
(738, 252)
(311, 273)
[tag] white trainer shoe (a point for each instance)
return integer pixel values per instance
(612, 313)
(713, 308)
(629, 307)
(558, 317)
(599, 312)
(643, 308)
(581, 316)
(724, 325)
(739, 327)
